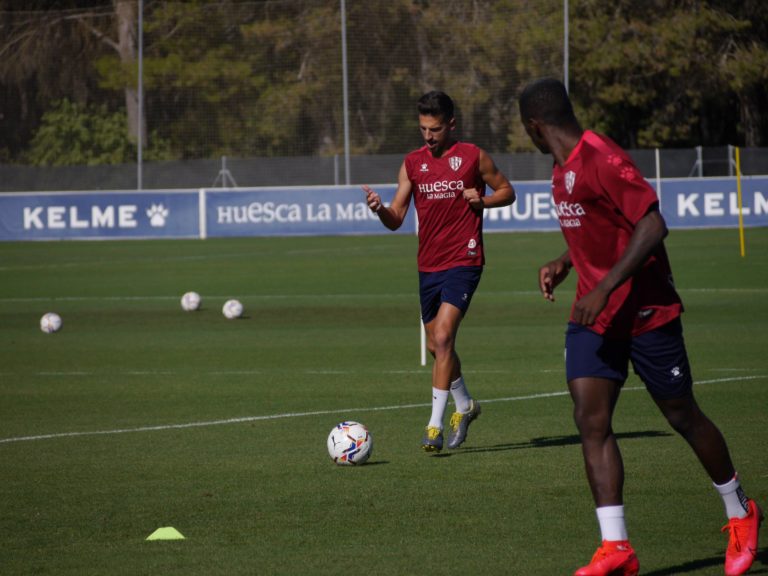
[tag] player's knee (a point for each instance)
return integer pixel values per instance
(688, 423)
(591, 424)
(683, 415)
(679, 421)
(442, 341)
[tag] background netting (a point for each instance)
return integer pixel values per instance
(261, 83)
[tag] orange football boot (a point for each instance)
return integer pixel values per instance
(742, 543)
(613, 558)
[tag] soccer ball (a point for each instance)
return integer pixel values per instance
(50, 322)
(190, 301)
(232, 309)
(350, 444)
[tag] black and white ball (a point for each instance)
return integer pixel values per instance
(50, 323)
(191, 301)
(232, 309)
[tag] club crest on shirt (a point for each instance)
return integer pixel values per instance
(424, 167)
(570, 180)
(455, 162)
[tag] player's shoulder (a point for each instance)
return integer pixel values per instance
(415, 157)
(607, 160)
(468, 148)
(599, 145)
(469, 153)
(416, 154)
(592, 142)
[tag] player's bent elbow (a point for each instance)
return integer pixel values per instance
(392, 223)
(508, 196)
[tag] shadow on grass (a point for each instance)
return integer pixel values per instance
(555, 441)
(759, 567)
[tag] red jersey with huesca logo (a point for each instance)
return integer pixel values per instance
(450, 232)
(600, 196)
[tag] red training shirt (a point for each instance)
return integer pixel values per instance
(450, 232)
(599, 197)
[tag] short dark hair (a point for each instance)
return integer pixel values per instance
(436, 103)
(547, 100)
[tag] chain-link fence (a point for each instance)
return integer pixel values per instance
(274, 92)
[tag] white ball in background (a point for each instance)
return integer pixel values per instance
(50, 323)
(190, 301)
(232, 309)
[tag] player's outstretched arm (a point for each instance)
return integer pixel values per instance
(552, 274)
(391, 216)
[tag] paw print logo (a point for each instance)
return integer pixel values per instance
(676, 372)
(157, 213)
(614, 160)
(627, 173)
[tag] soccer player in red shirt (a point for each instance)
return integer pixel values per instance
(446, 179)
(626, 309)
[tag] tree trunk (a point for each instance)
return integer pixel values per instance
(126, 47)
(753, 118)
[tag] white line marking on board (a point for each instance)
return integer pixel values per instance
(244, 419)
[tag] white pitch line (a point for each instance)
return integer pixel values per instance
(208, 297)
(244, 419)
(365, 296)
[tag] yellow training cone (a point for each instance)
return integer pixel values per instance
(166, 533)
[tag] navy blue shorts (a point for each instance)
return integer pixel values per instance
(658, 357)
(455, 286)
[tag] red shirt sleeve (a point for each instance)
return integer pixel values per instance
(624, 184)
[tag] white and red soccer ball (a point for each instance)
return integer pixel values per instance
(350, 444)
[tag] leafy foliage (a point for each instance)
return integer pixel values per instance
(71, 134)
(265, 78)
(667, 75)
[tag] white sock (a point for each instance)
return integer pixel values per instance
(461, 396)
(612, 526)
(439, 402)
(733, 497)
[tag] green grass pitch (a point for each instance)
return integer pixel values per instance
(138, 415)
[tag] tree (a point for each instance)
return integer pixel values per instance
(745, 68)
(45, 56)
(125, 46)
(667, 72)
(261, 78)
(73, 134)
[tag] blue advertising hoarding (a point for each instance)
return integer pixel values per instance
(327, 210)
(713, 202)
(102, 215)
(315, 211)
(685, 203)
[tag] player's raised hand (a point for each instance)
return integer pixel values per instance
(372, 198)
